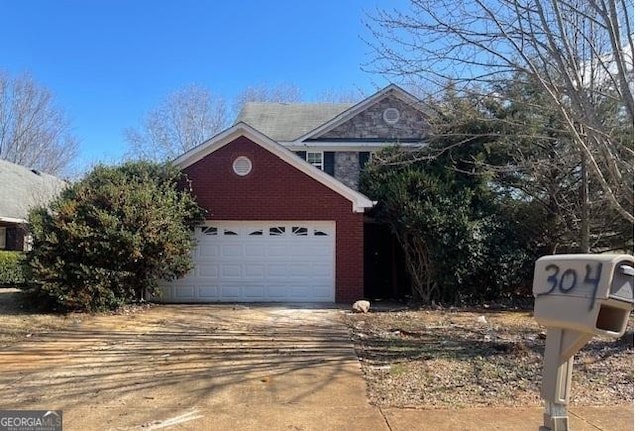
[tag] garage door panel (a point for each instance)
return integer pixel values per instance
(231, 270)
(301, 270)
(278, 292)
(228, 292)
(260, 261)
(278, 270)
(206, 250)
(255, 270)
(320, 270)
(208, 270)
(254, 292)
(184, 292)
(207, 292)
(278, 250)
(232, 250)
(255, 250)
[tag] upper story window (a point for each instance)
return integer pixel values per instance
(316, 159)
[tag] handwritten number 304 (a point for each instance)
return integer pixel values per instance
(569, 278)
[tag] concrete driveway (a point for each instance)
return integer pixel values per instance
(195, 367)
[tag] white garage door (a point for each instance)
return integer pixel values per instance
(259, 262)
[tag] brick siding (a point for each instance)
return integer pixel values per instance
(275, 190)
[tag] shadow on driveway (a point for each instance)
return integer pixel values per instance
(170, 359)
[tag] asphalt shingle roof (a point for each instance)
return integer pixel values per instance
(288, 121)
(22, 188)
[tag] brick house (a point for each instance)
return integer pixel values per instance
(286, 221)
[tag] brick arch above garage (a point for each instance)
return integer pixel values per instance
(277, 190)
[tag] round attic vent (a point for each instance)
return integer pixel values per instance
(242, 166)
(391, 115)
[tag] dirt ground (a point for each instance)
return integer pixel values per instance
(221, 367)
(191, 368)
(18, 323)
(473, 358)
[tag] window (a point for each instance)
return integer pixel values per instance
(210, 230)
(256, 233)
(277, 230)
(230, 232)
(316, 159)
(3, 237)
(317, 232)
(299, 231)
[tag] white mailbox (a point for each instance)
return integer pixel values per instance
(584, 292)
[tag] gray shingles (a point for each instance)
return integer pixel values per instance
(288, 121)
(21, 189)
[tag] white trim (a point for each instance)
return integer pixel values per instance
(361, 106)
(321, 167)
(360, 202)
(348, 146)
(395, 115)
(13, 220)
(242, 166)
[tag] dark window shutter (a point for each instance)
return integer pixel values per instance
(329, 159)
(363, 158)
(302, 154)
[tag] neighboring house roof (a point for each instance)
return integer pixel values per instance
(22, 189)
(285, 122)
(360, 202)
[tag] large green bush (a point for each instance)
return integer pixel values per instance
(109, 238)
(11, 271)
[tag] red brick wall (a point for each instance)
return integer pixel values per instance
(275, 190)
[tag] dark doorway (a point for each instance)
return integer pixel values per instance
(385, 276)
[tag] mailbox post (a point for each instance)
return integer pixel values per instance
(577, 296)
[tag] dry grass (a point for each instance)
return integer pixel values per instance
(431, 358)
(18, 322)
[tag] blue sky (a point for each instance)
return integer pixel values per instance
(110, 61)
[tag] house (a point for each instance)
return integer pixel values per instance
(286, 221)
(21, 189)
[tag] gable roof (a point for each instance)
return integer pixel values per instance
(288, 121)
(354, 110)
(298, 122)
(360, 202)
(24, 188)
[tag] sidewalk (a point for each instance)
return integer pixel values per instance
(607, 418)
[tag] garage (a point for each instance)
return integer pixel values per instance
(266, 261)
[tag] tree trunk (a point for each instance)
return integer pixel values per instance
(585, 221)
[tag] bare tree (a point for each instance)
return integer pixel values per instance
(183, 120)
(579, 51)
(34, 132)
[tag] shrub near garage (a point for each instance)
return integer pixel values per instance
(11, 271)
(108, 239)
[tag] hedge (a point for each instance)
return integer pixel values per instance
(11, 271)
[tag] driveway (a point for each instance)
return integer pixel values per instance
(195, 367)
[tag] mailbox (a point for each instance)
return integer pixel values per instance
(585, 293)
(577, 296)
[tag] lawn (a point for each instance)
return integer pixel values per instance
(481, 357)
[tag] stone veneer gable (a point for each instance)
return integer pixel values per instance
(413, 124)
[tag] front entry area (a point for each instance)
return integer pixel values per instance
(259, 261)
